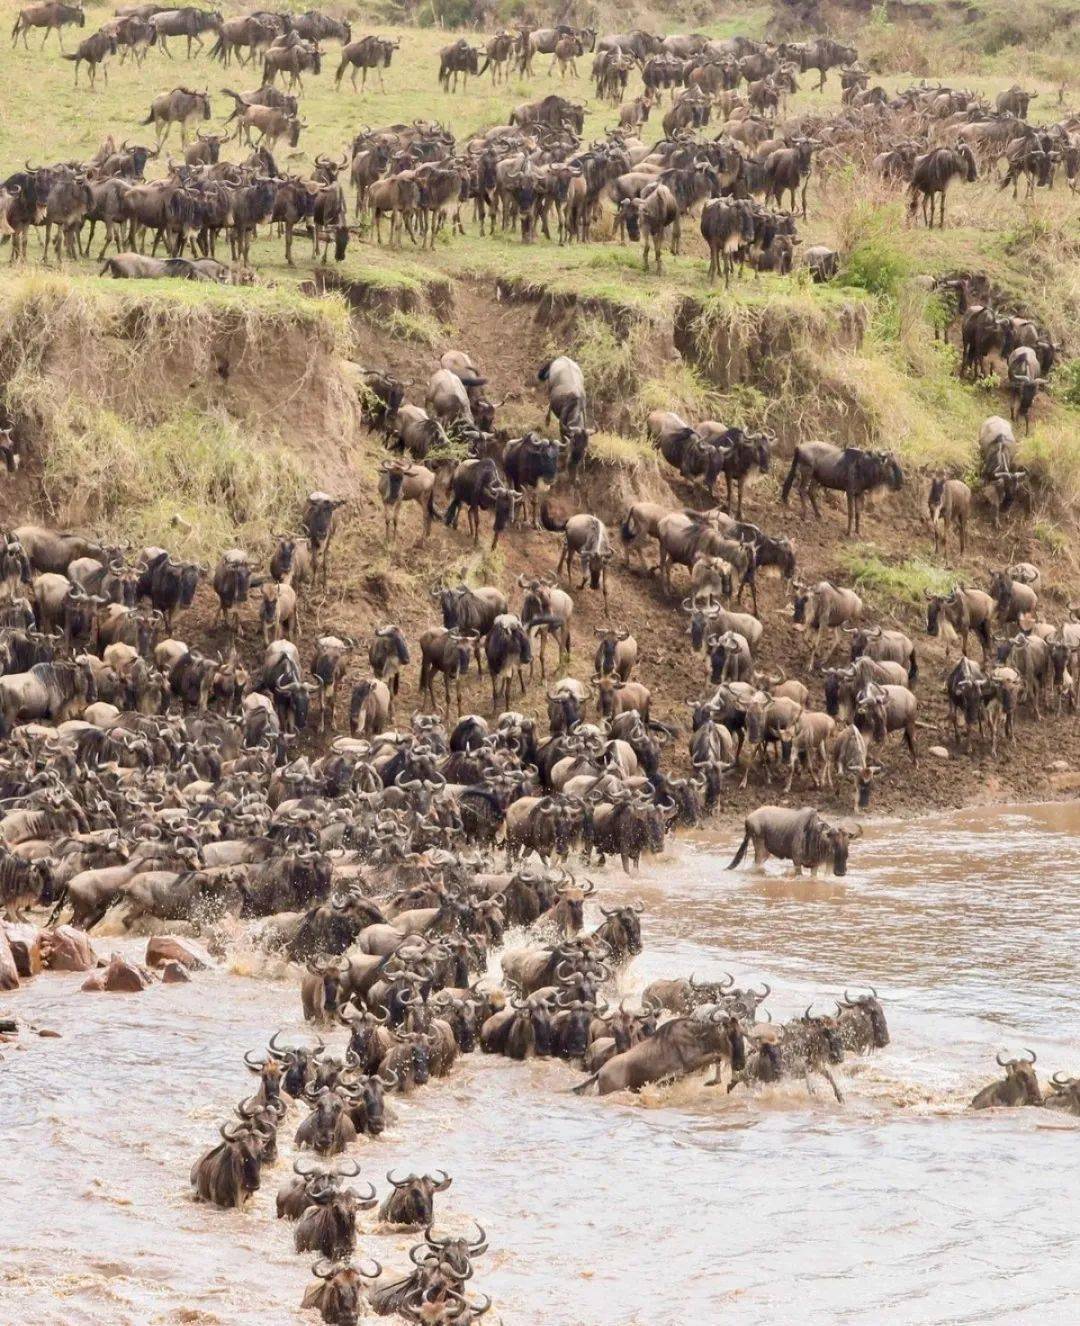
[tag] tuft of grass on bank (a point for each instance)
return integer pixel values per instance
(906, 580)
(204, 480)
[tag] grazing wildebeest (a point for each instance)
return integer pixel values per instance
(1020, 1086)
(679, 1047)
(848, 470)
(799, 836)
(932, 174)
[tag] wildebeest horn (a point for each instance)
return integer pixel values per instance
(1034, 1056)
(324, 1268)
(1000, 1061)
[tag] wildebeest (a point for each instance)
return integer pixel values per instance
(566, 401)
(1024, 383)
(52, 16)
(949, 504)
(228, 1174)
(180, 106)
(681, 1046)
(861, 1023)
(964, 610)
(1020, 1086)
(849, 470)
(799, 836)
(410, 1202)
(932, 174)
(93, 51)
(188, 22)
(823, 607)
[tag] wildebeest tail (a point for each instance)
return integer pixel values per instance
(913, 668)
(737, 860)
(78, 57)
(626, 530)
(548, 522)
(542, 375)
(785, 492)
(582, 1087)
(433, 510)
(149, 119)
(452, 512)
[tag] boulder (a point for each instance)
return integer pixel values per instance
(119, 977)
(24, 940)
(9, 974)
(67, 949)
(161, 949)
(174, 973)
(938, 752)
(1058, 766)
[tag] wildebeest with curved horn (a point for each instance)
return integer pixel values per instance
(228, 1173)
(1020, 1086)
(411, 1201)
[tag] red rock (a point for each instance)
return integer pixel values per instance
(161, 949)
(119, 977)
(67, 949)
(24, 941)
(174, 973)
(9, 975)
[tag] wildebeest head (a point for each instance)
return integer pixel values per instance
(1021, 1077)
(871, 1007)
(605, 650)
(824, 1036)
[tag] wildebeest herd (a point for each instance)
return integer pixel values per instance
(151, 778)
(421, 180)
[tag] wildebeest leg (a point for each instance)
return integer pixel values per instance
(909, 737)
(827, 1075)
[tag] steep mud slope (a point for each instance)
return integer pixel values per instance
(260, 412)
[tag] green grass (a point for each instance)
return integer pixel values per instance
(905, 581)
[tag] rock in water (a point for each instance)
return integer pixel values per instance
(119, 977)
(9, 975)
(161, 949)
(24, 940)
(67, 949)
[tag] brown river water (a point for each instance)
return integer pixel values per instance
(685, 1206)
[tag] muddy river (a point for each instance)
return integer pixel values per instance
(687, 1206)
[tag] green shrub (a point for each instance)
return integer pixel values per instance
(875, 261)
